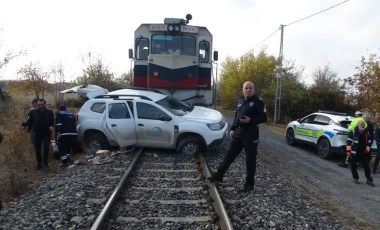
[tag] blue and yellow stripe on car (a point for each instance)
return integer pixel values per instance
(312, 133)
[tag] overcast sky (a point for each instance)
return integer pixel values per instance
(54, 32)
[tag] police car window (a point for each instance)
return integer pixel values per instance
(309, 119)
(322, 120)
(98, 107)
(147, 111)
(118, 111)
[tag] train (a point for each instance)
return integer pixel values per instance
(175, 58)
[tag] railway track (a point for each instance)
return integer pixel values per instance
(164, 190)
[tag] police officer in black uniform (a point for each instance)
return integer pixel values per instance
(250, 112)
(65, 128)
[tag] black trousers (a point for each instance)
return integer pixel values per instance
(363, 158)
(65, 146)
(236, 146)
(42, 140)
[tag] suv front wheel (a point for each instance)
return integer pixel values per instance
(96, 142)
(188, 146)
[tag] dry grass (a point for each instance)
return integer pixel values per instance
(17, 156)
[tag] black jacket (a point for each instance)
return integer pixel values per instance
(40, 121)
(253, 108)
(356, 139)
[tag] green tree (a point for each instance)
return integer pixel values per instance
(329, 89)
(258, 69)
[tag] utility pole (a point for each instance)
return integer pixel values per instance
(277, 108)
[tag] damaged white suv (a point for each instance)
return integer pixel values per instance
(147, 118)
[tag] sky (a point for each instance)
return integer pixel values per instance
(53, 32)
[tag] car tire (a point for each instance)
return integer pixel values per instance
(188, 146)
(96, 142)
(290, 138)
(324, 148)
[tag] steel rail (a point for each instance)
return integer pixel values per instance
(103, 214)
(224, 220)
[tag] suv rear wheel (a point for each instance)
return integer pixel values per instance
(96, 142)
(324, 148)
(188, 146)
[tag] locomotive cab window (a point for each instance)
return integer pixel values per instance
(142, 48)
(204, 51)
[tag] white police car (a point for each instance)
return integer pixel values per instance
(148, 118)
(325, 130)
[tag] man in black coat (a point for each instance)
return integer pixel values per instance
(41, 121)
(250, 112)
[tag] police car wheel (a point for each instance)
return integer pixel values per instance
(290, 139)
(324, 148)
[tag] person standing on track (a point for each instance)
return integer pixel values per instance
(250, 112)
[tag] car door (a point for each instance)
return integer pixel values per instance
(303, 129)
(120, 123)
(155, 127)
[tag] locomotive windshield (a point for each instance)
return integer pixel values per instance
(173, 44)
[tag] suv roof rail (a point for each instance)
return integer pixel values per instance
(117, 96)
(332, 112)
(143, 88)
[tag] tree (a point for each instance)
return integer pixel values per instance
(8, 56)
(97, 73)
(259, 69)
(366, 83)
(329, 90)
(33, 77)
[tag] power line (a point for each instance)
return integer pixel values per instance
(298, 21)
(317, 13)
(266, 38)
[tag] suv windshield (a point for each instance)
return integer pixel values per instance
(175, 106)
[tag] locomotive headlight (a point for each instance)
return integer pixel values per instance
(155, 73)
(170, 28)
(177, 28)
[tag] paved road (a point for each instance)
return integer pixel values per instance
(322, 180)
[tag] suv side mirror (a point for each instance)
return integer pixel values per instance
(165, 117)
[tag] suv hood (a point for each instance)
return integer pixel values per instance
(204, 114)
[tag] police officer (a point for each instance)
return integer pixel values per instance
(65, 128)
(250, 112)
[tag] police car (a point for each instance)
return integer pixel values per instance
(325, 130)
(148, 118)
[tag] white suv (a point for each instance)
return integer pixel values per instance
(326, 130)
(148, 118)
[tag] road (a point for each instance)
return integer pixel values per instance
(331, 187)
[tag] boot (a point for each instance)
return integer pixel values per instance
(246, 188)
(370, 182)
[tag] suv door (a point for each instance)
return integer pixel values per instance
(121, 124)
(304, 128)
(154, 126)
